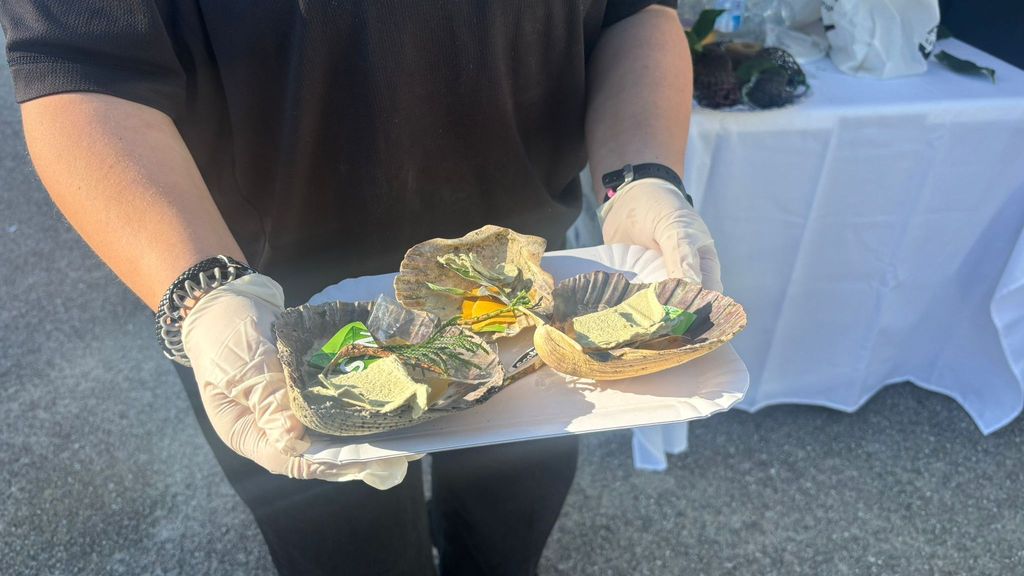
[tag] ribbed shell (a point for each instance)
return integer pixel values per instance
(719, 318)
(300, 329)
(493, 245)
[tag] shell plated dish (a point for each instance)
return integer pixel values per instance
(358, 368)
(491, 278)
(716, 319)
(328, 405)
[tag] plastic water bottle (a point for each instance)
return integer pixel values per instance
(742, 20)
(745, 20)
(729, 23)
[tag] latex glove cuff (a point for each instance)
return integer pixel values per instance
(654, 214)
(605, 209)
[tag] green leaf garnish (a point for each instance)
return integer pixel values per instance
(492, 328)
(961, 66)
(681, 320)
(470, 268)
(452, 291)
(504, 282)
(442, 349)
(671, 312)
(351, 333)
(683, 323)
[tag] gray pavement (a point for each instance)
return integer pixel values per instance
(103, 470)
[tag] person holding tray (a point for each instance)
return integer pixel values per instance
(193, 142)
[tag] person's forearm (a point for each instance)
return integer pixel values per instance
(639, 94)
(122, 176)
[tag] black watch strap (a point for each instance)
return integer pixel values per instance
(615, 179)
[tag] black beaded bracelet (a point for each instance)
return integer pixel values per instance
(182, 295)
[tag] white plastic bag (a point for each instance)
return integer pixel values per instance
(806, 43)
(880, 38)
(799, 13)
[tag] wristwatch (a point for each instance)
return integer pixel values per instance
(616, 179)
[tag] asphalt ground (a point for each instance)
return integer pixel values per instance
(103, 469)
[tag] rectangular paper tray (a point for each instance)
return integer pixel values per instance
(543, 404)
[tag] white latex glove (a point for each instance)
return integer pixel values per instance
(653, 213)
(229, 340)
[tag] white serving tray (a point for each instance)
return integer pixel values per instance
(547, 404)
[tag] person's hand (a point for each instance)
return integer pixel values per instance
(653, 213)
(229, 341)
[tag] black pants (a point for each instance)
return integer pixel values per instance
(492, 510)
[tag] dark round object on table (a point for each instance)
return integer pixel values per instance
(714, 83)
(770, 88)
(785, 60)
(740, 52)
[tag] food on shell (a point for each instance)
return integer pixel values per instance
(382, 386)
(636, 319)
(629, 329)
(490, 278)
(389, 367)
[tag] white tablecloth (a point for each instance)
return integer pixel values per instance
(873, 232)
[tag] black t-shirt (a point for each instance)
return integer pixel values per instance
(334, 135)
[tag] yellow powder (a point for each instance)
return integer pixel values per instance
(382, 387)
(638, 316)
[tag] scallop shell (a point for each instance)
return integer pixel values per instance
(492, 245)
(302, 330)
(719, 318)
